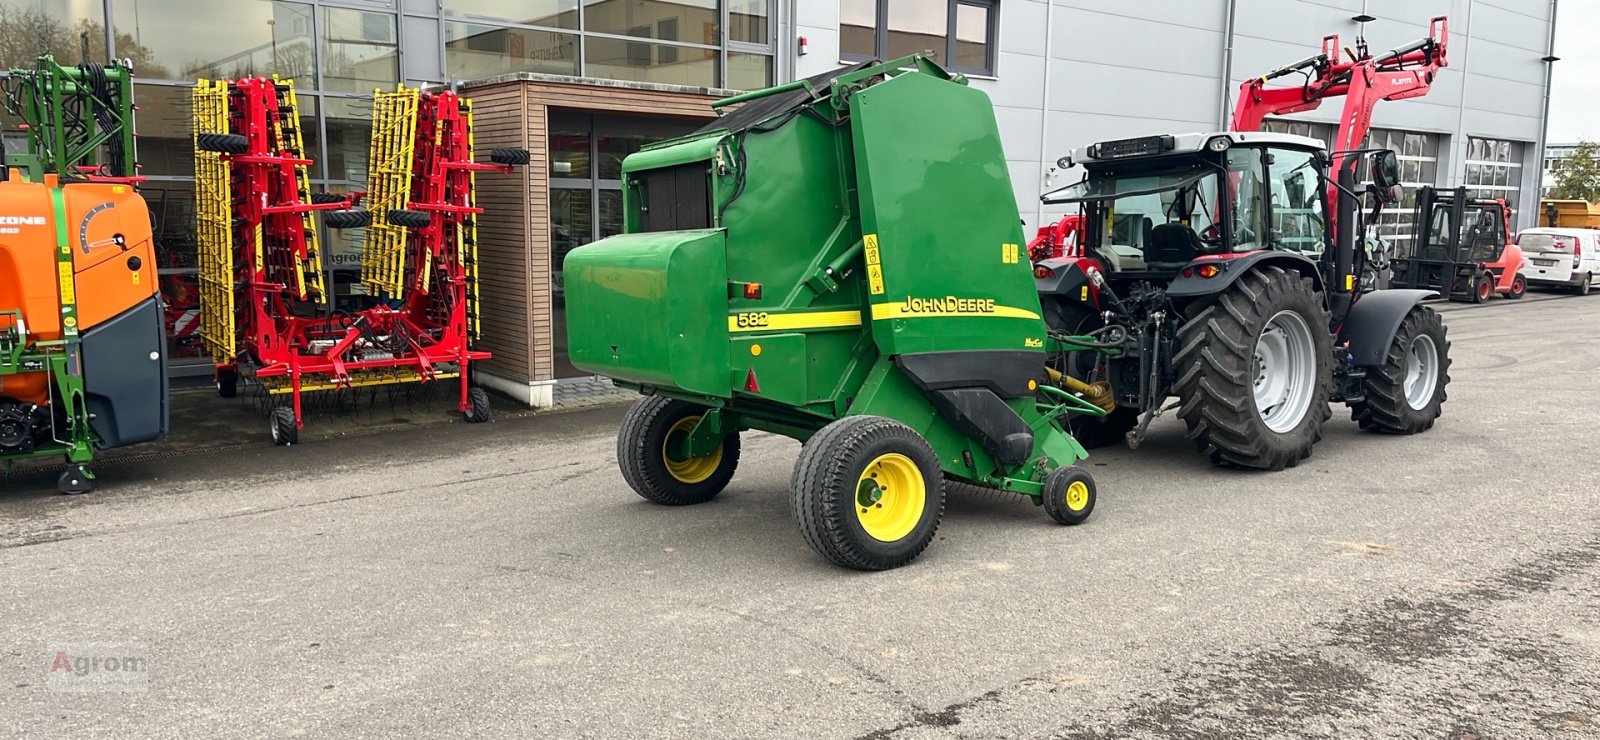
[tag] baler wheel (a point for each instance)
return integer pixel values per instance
(868, 493)
(479, 398)
(75, 479)
(284, 431)
(224, 143)
(509, 156)
(1406, 394)
(649, 432)
(1069, 494)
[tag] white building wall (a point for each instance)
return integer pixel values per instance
(1076, 71)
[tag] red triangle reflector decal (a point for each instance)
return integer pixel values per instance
(750, 383)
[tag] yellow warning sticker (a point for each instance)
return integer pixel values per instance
(68, 294)
(871, 243)
(875, 279)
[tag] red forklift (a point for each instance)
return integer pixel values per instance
(1463, 248)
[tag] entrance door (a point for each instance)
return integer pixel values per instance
(586, 153)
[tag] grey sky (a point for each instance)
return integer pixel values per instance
(1575, 86)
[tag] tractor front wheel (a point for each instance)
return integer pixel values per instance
(867, 493)
(1253, 371)
(648, 445)
(1406, 394)
(1068, 494)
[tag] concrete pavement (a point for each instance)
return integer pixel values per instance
(501, 580)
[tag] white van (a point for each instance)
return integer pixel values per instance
(1562, 258)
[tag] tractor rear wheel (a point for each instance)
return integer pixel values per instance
(1068, 494)
(1253, 371)
(1090, 431)
(1406, 394)
(868, 493)
(651, 432)
(1519, 287)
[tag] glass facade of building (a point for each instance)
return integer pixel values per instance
(338, 51)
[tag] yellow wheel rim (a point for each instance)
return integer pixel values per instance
(687, 470)
(1077, 495)
(890, 496)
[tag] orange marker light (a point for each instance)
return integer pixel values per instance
(1209, 271)
(752, 291)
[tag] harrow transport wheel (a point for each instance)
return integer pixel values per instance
(479, 413)
(1068, 494)
(1253, 371)
(867, 492)
(410, 219)
(1519, 287)
(75, 479)
(327, 198)
(1407, 393)
(1090, 431)
(347, 219)
(646, 443)
(284, 431)
(227, 382)
(224, 143)
(509, 156)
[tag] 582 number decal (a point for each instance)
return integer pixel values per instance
(751, 319)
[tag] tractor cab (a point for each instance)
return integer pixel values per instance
(1153, 205)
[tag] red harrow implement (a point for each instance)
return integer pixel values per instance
(264, 308)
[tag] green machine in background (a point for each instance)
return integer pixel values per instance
(838, 260)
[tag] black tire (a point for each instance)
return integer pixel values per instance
(1215, 365)
(1584, 286)
(75, 480)
(1519, 288)
(223, 143)
(1068, 495)
(227, 382)
(1482, 288)
(836, 469)
(642, 455)
(409, 219)
(1385, 407)
(1063, 315)
(511, 156)
(284, 431)
(323, 198)
(480, 411)
(347, 219)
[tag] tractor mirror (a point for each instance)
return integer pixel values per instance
(1385, 169)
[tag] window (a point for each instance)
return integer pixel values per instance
(1296, 194)
(34, 27)
(696, 43)
(1494, 170)
(358, 50)
(960, 34)
(1419, 165)
(186, 39)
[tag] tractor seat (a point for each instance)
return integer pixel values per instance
(1173, 245)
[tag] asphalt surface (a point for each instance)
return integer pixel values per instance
(501, 580)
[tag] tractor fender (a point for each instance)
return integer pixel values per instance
(1066, 276)
(1189, 283)
(1374, 319)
